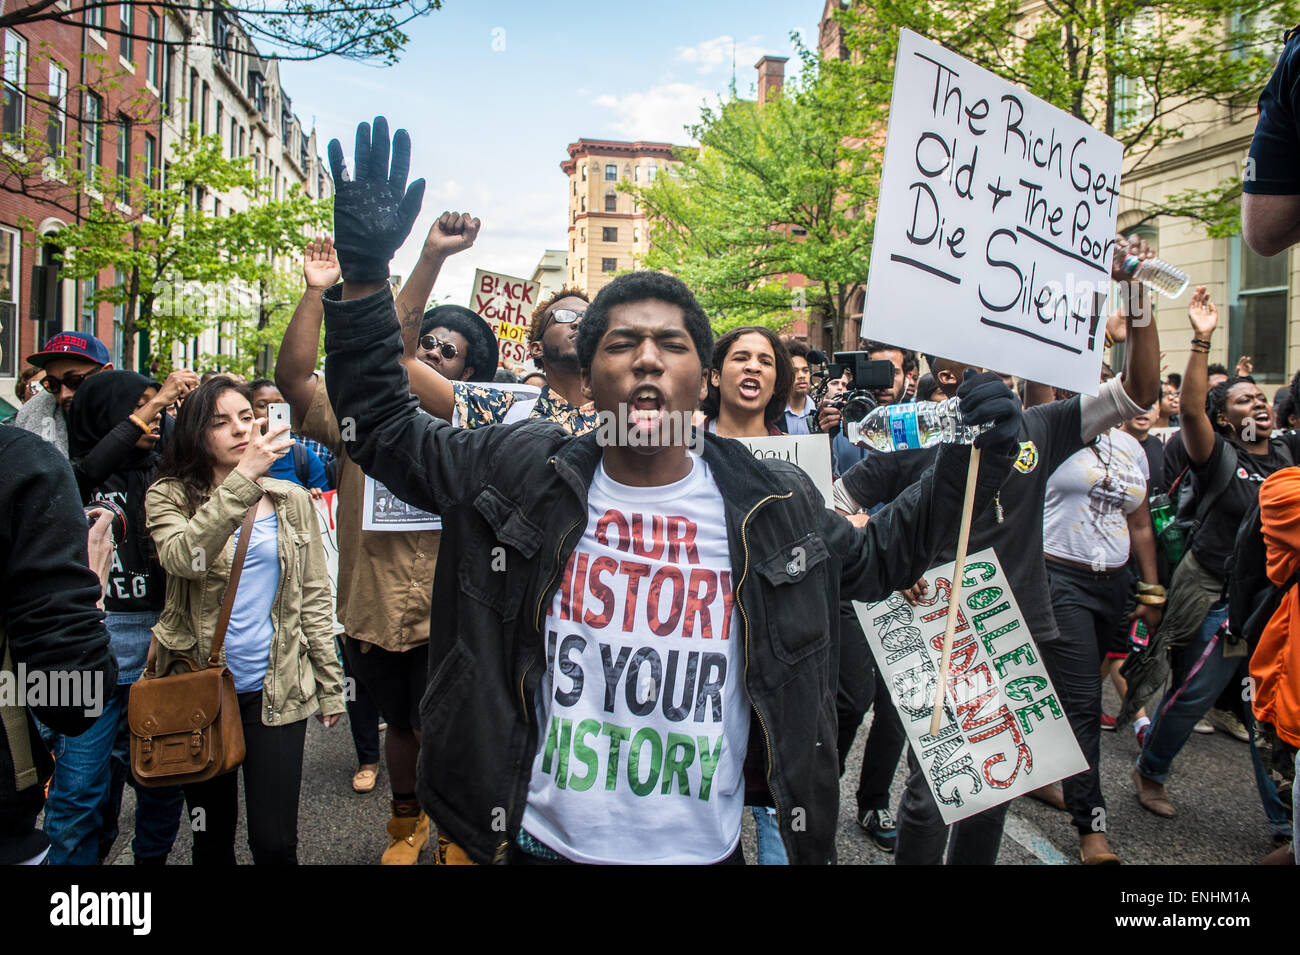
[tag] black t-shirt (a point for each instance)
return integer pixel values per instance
(1275, 150)
(1049, 435)
(1213, 542)
(1176, 459)
(1155, 452)
(136, 582)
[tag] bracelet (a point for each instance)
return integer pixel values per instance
(1197, 350)
(1145, 588)
(1201, 341)
(1110, 341)
(138, 423)
(1150, 599)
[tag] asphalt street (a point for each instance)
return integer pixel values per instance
(1219, 822)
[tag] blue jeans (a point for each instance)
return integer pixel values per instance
(771, 850)
(1172, 723)
(91, 770)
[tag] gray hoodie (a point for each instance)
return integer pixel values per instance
(43, 416)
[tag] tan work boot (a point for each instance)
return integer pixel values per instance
(408, 836)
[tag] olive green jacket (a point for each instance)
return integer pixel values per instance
(196, 549)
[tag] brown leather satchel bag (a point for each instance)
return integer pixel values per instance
(185, 727)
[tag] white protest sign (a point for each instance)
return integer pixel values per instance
(327, 512)
(811, 452)
(996, 224)
(1004, 731)
(382, 510)
(507, 303)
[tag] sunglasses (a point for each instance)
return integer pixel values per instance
(446, 349)
(72, 380)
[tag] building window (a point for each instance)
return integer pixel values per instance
(584, 172)
(119, 318)
(650, 172)
(1134, 103)
(1257, 299)
(636, 173)
(123, 160)
(152, 61)
(609, 234)
(92, 150)
(95, 18)
(609, 265)
(203, 107)
(86, 319)
(798, 230)
(150, 166)
(221, 118)
(611, 202)
(194, 95)
(611, 172)
(582, 204)
(169, 59)
(582, 265)
(242, 142)
(127, 46)
(9, 251)
(56, 123)
(15, 80)
(636, 235)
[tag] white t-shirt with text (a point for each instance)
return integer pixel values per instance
(643, 711)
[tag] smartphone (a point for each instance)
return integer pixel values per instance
(277, 414)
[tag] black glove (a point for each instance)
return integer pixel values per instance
(373, 213)
(986, 400)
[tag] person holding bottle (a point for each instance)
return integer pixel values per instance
(279, 643)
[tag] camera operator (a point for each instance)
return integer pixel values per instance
(856, 401)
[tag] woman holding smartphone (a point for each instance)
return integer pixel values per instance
(279, 643)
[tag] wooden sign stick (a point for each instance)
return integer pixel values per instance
(954, 598)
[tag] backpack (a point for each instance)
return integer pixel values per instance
(301, 466)
(1192, 504)
(1252, 597)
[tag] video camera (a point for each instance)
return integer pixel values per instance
(859, 399)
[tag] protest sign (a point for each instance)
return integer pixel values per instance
(507, 303)
(382, 510)
(996, 223)
(1003, 731)
(327, 511)
(811, 452)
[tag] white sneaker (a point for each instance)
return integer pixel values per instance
(1203, 726)
(1228, 723)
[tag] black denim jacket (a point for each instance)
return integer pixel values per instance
(515, 497)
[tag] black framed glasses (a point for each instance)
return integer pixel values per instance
(72, 380)
(446, 349)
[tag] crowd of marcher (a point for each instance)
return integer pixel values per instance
(520, 657)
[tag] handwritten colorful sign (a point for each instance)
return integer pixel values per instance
(1004, 730)
(507, 303)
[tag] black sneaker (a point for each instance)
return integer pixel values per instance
(879, 825)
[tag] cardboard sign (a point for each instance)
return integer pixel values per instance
(327, 512)
(382, 510)
(507, 303)
(1004, 730)
(812, 452)
(996, 224)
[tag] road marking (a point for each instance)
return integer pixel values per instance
(1033, 839)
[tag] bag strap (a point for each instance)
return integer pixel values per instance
(13, 723)
(228, 601)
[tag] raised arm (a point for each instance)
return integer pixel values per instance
(451, 233)
(1198, 430)
(1141, 375)
(900, 542)
(295, 364)
(423, 460)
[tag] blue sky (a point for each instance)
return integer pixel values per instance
(492, 92)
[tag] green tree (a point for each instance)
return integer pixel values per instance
(1147, 73)
(184, 268)
(784, 189)
(368, 30)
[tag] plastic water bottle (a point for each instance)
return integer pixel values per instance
(1157, 275)
(913, 424)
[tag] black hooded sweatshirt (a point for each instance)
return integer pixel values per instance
(108, 466)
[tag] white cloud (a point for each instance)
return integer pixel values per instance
(659, 113)
(720, 52)
(450, 189)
